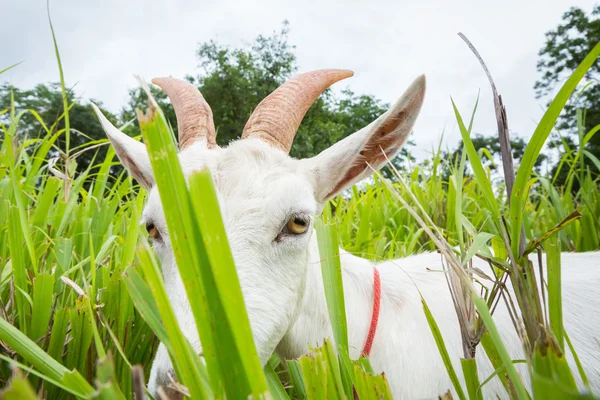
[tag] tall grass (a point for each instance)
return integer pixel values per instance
(82, 298)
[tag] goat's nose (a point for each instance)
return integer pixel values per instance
(168, 394)
(165, 388)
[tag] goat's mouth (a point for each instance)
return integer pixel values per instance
(168, 387)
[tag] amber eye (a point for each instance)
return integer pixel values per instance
(152, 231)
(298, 225)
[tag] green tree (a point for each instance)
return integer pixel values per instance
(234, 80)
(492, 158)
(564, 49)
(46, 100)
(139, 101)
(492, 145)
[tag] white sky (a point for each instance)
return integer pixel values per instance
(386, 43)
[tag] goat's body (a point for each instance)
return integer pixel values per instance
(404, 347)
(268, 203)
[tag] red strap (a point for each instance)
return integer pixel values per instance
(375, 317)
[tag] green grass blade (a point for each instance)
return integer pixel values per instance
(43, 206)
(10, 67)
(458, 178)
(518, 195)
(43, 288)
(106, 380)
(183, 231)
(276, 388)
(58, 335)
(186, 363)
(486, 317)
(479, 241)
(208, 286)
(62, 85)
(498, 372)
(439, 341)
(480, 174)
(469, 367)
(331, 270)
(494, 357)
(33, 354)
(553, 256)
(18, 389)
(332, 281)
(19, 267)
(44, 377)
(18, 194)
(144, 302)
(580, 369)
(551, 376)
(233, 337)
(297, 379)
(316, 378)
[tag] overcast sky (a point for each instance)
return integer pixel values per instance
(386, 44)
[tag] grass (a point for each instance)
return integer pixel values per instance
(82, 297)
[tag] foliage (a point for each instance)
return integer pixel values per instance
(565, 48)
(65, 284)
(87, 140)
(489, 149)
(544, 346)
(234, 80)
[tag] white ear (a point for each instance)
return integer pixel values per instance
(133, 154)
(345, 163)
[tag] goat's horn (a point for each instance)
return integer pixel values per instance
(277, 118)
(194, 116)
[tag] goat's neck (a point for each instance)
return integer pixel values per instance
(313, 325)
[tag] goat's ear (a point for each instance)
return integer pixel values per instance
(131, 153)
(347, 161)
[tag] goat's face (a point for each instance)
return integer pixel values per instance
(268, 200)
(268, 207)
(267, 203)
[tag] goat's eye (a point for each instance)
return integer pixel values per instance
(152, 230)
(298, 224)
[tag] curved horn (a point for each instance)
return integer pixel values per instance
(277, 118)
(194, 116)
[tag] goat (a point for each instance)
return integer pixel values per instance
(269, 201)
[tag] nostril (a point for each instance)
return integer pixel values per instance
(167, 387)
(168, 394)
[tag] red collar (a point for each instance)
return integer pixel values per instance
(375, 316)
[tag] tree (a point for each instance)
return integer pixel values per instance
(139, 101)
(46, 101)
(565, 48)
(492, 159)
(234, 80)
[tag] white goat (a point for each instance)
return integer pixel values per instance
(269, 200)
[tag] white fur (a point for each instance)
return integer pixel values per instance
(404, 347)
(260, 188)
(283, 289)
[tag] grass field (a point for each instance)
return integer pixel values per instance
(82, 300)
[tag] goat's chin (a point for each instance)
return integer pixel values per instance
(273, 299)
(272, 295)
(159, 373)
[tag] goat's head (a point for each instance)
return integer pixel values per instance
(268, 200)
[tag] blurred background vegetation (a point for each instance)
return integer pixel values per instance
(235, 79)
